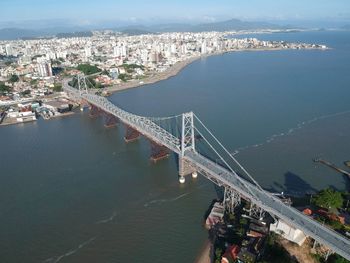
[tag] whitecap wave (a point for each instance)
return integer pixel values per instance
(160, 201)
(106, 220)
(290, 131)
(71, 252)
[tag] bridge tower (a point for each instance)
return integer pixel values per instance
(81, 83)
(187, 144)
(83, 88)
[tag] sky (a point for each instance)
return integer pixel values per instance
(86, 12)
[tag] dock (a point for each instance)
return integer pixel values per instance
(318, 160)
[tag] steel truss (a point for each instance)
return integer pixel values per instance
(185, 148)
(232, 199)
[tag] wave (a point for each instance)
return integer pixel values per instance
(290, 131)
(109, 219)
(71, 252)
(160, 201)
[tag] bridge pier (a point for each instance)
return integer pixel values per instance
(110, 120)
(94, 111)
(185, 168)
(187, 144)
(83, 104)
(131, 134)
(158, 152)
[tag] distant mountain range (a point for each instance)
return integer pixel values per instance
(233, 24)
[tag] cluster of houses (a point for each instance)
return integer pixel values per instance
(251, 244)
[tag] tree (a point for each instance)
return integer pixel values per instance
(57, 87)
(4, 88)
(14, 78)
(337, 259)
(26, 92)
(328, 198)
(88, 69)
(123, 77)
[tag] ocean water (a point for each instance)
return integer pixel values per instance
(73, 191)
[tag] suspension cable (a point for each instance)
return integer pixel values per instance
(234, 159)
(229, 167)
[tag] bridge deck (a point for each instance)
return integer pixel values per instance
(272, 205)
(223, 177)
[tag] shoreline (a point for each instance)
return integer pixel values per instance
(206, 254)
(179, 66)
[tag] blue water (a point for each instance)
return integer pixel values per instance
(248, 97)
(73, 191)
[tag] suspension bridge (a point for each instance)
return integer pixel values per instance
(199, 151)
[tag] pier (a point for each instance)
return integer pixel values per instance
(318, 160)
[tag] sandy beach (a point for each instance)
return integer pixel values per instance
(155, 77)
(206, 255)
(175, 69)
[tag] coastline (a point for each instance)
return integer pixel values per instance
(179, 66)
(155, 77)
(206, 254)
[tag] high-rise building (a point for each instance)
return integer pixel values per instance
(9, 50)
(88, 52)
(204, 47)
(44, 69)
(116, 51)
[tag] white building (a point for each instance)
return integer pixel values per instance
(204, 47)
(44, 69)
(88, 52)
(9, 50)
(288, 232)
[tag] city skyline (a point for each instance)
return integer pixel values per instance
(88, 13)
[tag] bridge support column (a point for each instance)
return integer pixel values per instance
(187, 144)
(131, 134)
(110, 120)
(82, 104)
(94, 111)
(158, 152)
(185, 168)
(231, 200)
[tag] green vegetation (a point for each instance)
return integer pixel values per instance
(132, 66)
(329, 199)
(4, 88)
(218, 255)
(26, 92)
(88, 69)
(337, 259)
(57, 87)
(105, 72)
(124, 77)
(334, 258)
(33, 82)
(14, 78)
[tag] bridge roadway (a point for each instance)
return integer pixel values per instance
(223, 177)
